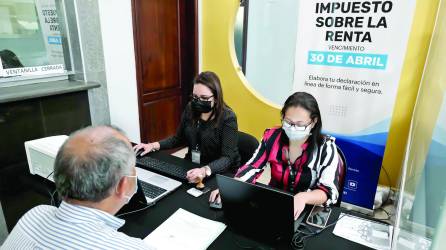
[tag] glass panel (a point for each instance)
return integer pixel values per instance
(31, 43)
(423, 192)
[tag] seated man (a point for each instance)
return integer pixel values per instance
(95, 175)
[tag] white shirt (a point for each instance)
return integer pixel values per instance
(70, 227)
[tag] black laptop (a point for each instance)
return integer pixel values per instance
(258, 211)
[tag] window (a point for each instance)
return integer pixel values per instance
(32, 40)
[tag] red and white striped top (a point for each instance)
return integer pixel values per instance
(313, 170)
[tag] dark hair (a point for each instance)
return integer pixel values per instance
(211, 80)
(10, 59)
(309, 103)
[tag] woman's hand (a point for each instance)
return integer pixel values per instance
(196, 175)
(149, 147)
(299, 204)
(215, 196)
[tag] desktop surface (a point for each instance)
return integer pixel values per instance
(143, 223)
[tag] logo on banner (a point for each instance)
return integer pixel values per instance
(352, 185)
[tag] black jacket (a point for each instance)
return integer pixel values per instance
(217, 142)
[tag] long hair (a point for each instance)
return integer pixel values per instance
(211, 80)
(309, 103)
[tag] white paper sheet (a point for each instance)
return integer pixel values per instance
(366, 232)
(185, 230)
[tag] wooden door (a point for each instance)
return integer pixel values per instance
(165, 35)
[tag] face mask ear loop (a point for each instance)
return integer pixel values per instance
(128, 197)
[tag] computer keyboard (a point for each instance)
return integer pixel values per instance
(150, 190)
(163, 167)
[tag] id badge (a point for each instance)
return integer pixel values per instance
(196, 156)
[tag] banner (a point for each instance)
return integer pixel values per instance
(349, 55)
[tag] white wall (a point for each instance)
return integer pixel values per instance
(117, 39)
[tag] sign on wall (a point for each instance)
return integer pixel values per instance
(349, 55)
(32, 71)
(49, 24)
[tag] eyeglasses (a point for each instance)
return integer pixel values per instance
(201, 98)
(298, 125)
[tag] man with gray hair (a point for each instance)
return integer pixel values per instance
(95, 175)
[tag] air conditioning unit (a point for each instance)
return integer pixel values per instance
(41, 154)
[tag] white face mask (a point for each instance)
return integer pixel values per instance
(128, 197)
(296, 133)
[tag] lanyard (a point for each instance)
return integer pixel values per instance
(198, 137)
(292, 170)
(195, 153)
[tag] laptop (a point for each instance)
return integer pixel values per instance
(151, 188)
(155, 186)
(258, 211)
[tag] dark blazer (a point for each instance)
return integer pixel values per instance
(217, 142)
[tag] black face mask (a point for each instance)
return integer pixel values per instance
(201, 106)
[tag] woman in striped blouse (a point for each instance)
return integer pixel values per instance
(302, 160)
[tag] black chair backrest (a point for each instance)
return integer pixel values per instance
(247, 145)
(342, 166)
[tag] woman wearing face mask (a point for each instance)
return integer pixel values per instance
(208, 128)
(302, 160)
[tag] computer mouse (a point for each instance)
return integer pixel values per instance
(139, 152)
(215, 204)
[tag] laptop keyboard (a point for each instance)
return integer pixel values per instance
(150, 190)
(163, 167)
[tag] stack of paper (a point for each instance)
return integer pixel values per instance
(185, 230)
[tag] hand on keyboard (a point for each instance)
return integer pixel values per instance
(146, 148)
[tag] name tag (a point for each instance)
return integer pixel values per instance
(196, 156)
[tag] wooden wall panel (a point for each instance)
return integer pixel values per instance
(161, 117)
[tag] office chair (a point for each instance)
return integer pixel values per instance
(247, 145)
(342, 166)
